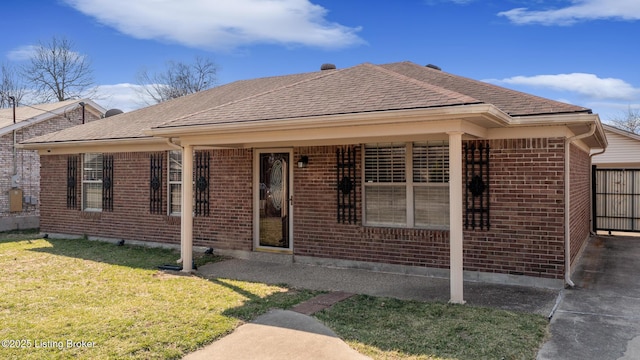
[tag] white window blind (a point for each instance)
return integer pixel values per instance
(175, 182)
(385, 184)
(392, 199)
(92, 182)
(431, 184)
(385, 163)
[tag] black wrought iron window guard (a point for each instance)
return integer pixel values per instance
(155, 183)
(346, 185)
(476, 178)
(202, 171)
(72, 181)
(107, 183)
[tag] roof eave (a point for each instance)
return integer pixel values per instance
(493, 116)
(100, 145)
(576, 122)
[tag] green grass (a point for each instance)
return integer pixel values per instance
(53, 290)
(385, 328)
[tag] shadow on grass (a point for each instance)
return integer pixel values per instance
(133, 256)
(150, 258)
(256, 305)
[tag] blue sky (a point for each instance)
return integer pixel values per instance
(580, 51)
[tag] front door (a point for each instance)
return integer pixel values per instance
(274, 199)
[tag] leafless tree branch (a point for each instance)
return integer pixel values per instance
(178, 79)
(57, 72)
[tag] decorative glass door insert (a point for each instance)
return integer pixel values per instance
(274, 199)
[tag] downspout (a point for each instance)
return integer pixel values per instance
(567, 201)
(173, 145)
(593, 213)
(15, 154)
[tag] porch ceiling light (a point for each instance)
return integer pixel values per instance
(303, 162)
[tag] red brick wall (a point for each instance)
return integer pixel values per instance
(527, 211)
(526, 193)
(317, 232)
(526, 234)
(229, 225)
(579, 201)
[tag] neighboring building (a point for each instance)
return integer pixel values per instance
(623, 151)
(616, 190)
(397, 167)
(20, 169)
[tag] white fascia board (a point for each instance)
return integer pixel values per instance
(488, 113)
(104, 146)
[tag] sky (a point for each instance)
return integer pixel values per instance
(583, 52)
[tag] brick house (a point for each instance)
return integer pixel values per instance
(19, 168)
(395, 167)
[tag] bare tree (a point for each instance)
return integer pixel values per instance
(629, 120)
(178, 79)
(10, 86)
(57, 72)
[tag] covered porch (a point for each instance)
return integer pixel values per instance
(450, 125)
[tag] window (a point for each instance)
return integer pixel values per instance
(431, 184)
(92, 182)
(420, 199)
(175, 182)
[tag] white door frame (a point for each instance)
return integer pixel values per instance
(256, 199)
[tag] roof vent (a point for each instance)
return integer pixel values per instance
(112, 112)
(327, 67)
(433, 67)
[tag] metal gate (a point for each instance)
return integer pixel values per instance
(616, 199)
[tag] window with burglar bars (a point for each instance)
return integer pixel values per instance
(202, 165)
(155, 183)
(72, 177)
(97, 182)
(201, 183)
(346, 184)
(476, 178)
(418, 200)
(107, 182)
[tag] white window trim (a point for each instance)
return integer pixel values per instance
(409, 185)
(82, 193)
(174, 182)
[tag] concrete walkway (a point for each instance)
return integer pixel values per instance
(277, 335)
(600, 317)
(399, 286)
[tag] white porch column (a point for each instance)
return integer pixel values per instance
(186, 224)
(455, 217)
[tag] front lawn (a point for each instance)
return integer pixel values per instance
(385, 328)
(63, 299)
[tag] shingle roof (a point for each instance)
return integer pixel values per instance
(132, 124)
(359, 89)
(514, 103)
(29, 112)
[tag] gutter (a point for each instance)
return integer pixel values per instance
(567, 201)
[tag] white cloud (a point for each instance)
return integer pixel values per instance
(222, 24)
(22, 53)
(588, 85)
(579, 10)
(126, 97)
